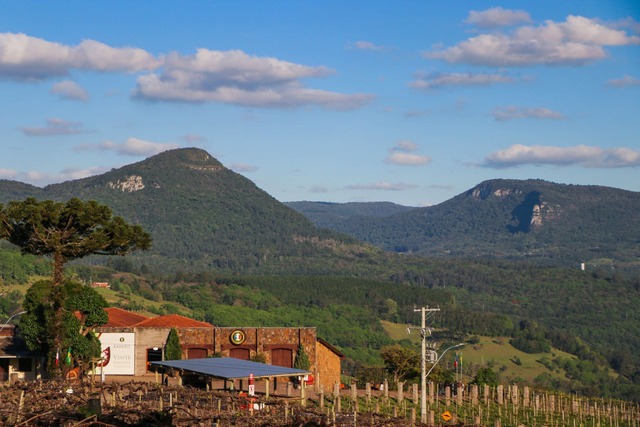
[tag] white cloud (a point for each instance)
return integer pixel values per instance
(386, 186)
(407, 159)
(73, 173)
(23, 57)
(243, 167)
(54, 127)
(70, 90)
(626, 80)
(431, 81)
(406, 145)
(93, 55)
(131, 147)
(234, 77)
(581, 155)
(138, 147)
(364, 45)
(503, 114)
(627, 22)
(402, 154)
(41, 179)
(8, 174)
(497, 17)
(576, 41)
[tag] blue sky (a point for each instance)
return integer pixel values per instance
(412, 102)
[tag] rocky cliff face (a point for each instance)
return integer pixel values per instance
(132, 183)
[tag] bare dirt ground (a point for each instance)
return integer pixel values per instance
(149, 404)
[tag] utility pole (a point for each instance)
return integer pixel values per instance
(424, 333)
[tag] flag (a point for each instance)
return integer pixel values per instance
(57, 357)
(69, 356)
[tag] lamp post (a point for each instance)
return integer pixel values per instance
(9, 319)
(423, 400)
(434, 365)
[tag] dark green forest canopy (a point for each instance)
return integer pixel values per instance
(475, 297)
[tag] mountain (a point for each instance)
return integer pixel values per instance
(530, 219)
(199, 213)
(202, 215)
(327, 215)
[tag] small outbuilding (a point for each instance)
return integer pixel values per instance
(17, 362)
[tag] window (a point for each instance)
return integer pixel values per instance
(25, 364)
(153, 355)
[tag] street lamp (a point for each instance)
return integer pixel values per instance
(9, 319)
(423, 400)
(434, 365)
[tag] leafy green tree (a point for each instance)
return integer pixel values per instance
(402, 362)
(441, 375)
(67, 231)
(486, 376)
(82, 311)
(64, 232)
(173, 350)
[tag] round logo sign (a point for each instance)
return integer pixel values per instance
(237, 337)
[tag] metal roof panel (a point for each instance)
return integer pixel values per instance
(230, 368)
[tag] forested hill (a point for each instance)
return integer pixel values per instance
(327, 215)
(202, 215)
(531, 219)
(199, 213)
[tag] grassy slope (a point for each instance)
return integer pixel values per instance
(494, 352)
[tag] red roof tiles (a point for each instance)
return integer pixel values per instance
(119, 318)
(172, 321)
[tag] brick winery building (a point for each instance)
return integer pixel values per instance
(130, 342)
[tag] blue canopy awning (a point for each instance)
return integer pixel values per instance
(230, 368)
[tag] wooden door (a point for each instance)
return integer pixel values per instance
(282, 357)
(239, 353)
(196, 353)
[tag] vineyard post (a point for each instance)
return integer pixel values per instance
(336, 397)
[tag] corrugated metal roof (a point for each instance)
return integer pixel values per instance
(230, 368)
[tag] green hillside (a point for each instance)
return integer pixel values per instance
(512, 365)
(200, 214)
(226, 252)
(327, 215)
(532, 219)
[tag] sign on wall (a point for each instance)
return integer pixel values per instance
(118, 353)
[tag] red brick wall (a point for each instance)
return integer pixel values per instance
(261, 341)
